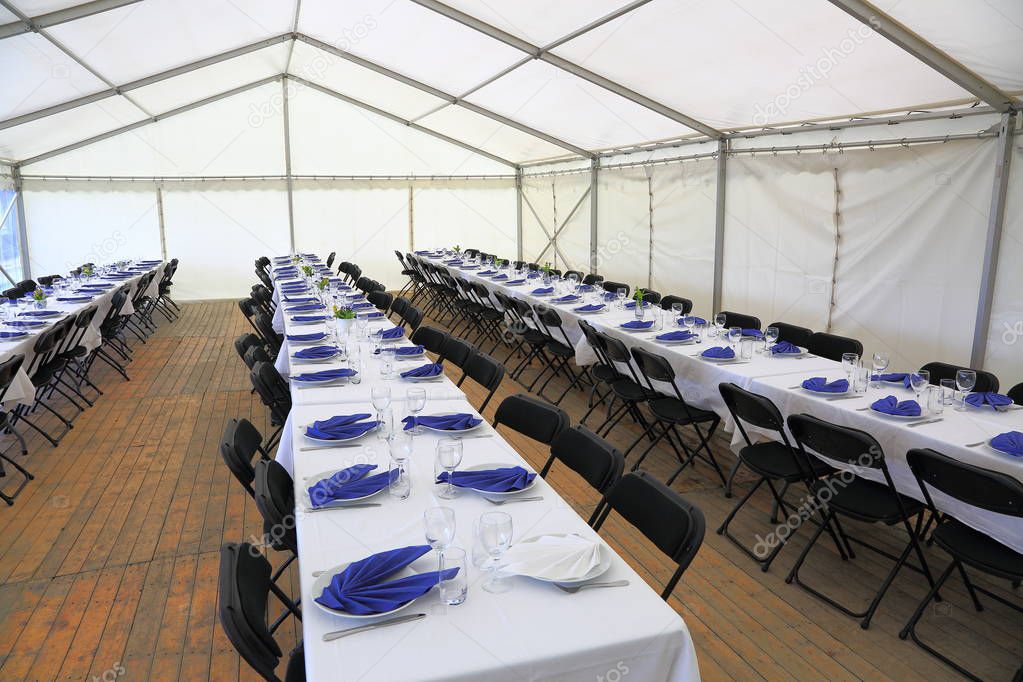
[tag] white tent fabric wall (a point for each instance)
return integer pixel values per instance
(478, 213)
(1005, 337)
(554, 197)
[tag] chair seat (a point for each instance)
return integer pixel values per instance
(560, 349)
(673, 410)
(777, 461)
(604, 373)
(491, 314)
(868, 501)
(977, 549)
(535, 338)
(629, 390)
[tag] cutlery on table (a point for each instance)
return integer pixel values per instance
(361, 505)
(338, 634)
(512, 500)
(489, 435)
(572, 589)
(844, 397)
(328, 447)
(977, 444)
(925, 421)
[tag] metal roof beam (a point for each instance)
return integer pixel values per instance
(33, 24)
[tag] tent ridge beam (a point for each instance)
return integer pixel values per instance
(398, 119)
(62, 16)
(440, 94)
(142, 82)
(938, 60)
(570, 67)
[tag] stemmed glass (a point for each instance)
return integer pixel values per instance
(966, 379)
(734, 335)
(719, 323)
(919, 381)
(439, 526)
(381, 397)
(676, 311)
(449, 456)
(495, 536)
(771, 335)
(880, 361)
(689, 322)
(622, 293)
(416, 402)
(849, 363)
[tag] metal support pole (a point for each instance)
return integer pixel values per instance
(518, 212)
(719, 226)
(287, 166)
(159, 216)
(594, 167)
(411, 220)
(650, 230)
(996, 219)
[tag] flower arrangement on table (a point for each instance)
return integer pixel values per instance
(307, 270)
(39, 296)
(344, 312)
(638, 296)
(457, 249)
(87, 270)
(502, 262)
(323, 283)
(296, 258)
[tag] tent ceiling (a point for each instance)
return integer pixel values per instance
(599, 74)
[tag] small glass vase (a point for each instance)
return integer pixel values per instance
(40, 304)
(640, 310)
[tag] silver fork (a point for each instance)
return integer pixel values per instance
(513, 500)
(572, 589)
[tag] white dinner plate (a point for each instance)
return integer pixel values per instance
(827, 394)
(499, 465)
(310, 481)
(407, 356)
(449, 431)
(905, 417)
(307, 342)
(335, 441)
(300, 359)
(595, 572)
(40, 314)
(637, 330)
(684, 342)
(423, 379)
(322, 382)
(591, 312)
(308, 322)
(801, 353)
(718, 360)
(323, 581)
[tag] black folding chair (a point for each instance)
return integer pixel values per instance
(430, 338)
(240, 445)
(274, 493)
(674, 525)
(833, 346)
(560, 348)
(601, 374)
(857, 498)
(986, 381)
(43, 371)
(613, 287)
(273, 390)
(598, 462)
(988, 490)
(1016, 393)
(485, 371)
(740, 320)
(245, 588)
(668, 301)
(265, 326)
(532, 417)
(624, 389)
(8, 370)
(458, 352)
(381, 299)
(794, 334)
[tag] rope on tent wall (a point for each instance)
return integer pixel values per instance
(554, 227)
(650, 219)
(837, 218)
(411, 221)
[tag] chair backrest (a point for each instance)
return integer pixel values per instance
(654, 367)
(792, 333)
(613, 287)
(8, 369)
(14, 293)
(747, 407)
(652, 297)
(244, 342)
(986, 381)
(670, 522)
(27, 285)
(584, 452)
(596, 341)
(839, 443)
(578, 274)
(381, 299)
(399, 305)
(272, 389)
(741, 320)
(532, 417)
(593, 278)
(487, 372)
(616, 350)
(266, 329)
(833, 346)
(1016, 393)
(255, 354)
(992, 491)
(241, 443)
(457, 351)
(668, 301)
(330, 258)
(430, 338)
(275, 498)
(413, 317)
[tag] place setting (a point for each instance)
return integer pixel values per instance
(339, 431)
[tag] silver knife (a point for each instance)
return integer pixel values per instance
(926, 421)
(338, 634)
(489, 435)
(341, 506)
(845, 397)
(327, 447)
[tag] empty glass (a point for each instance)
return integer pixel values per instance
(734, 334)
(919, 381)
(771, 335)
(449, 456)
(454, 590)
(746, 349)
(966, 379)
(880, 362)
(355, 364)
(948, 388)
(386, 428)
(399, 481)
(381, 397)
(495, 536)
(860, 379)
(622, 293)
(935, 400)
(849, 361)
(676, 311)
(439, 528)
(415, 400)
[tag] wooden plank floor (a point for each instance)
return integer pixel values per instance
(109, 559)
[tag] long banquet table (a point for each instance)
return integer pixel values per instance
(22, 390)
(778, 378)
(533, 632)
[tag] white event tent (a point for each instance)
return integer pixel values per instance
(837, 164)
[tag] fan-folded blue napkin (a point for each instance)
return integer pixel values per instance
(325, 375)
(430, 369)
(316, 353)
(895, 377)
(349, 484)
(515, 282)
(631, 305)
(610, 296)
(637, 324)
(542, 290)
(569, 298)
(822, 385)
(995, 400)
(591, 308)
(755, 333)
(74, 299)
(447, 422)
(502, 480)
(487, 273)
(361, 306)
(306, 307)
(696, 320)
(23, 323)
(1011, 443)
(409, 350)
(315, 336)
(585, 288)
(452, 262)
(392, 333)
(533, 275)
(39, 313)
(376, 314)
(500, 278)
(892, 406)
(291, 291)
(719, 353)
(309, 318)
(785, 348)
(12, 335)
(362, 589)
(300, 299)
(675, 336)
(340, 427)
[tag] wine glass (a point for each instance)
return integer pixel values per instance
(449, 456)
(689, 322)
(880, 360)
(361, 322)
(415, 401)
(439, 527)
(495, 536)
(849, 361)
(734, 334)
(676, 311)
(919, 381)
(622, 293)
(381, 397)
(966, 379)
(719, 323)
(771, 335)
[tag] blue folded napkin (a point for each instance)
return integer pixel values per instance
(515, 282)
(392, 333)
(12, 335)
(637, 324)
(361, 306)
(447, 422)
(452, 262)
(117, 276)
(719, 352)
(309, 318)
(104, 287)
(500, 278)
(487, 273)
(696, 320)
(631, 305)
(430, 369)
(591, 308)
(570, 298)
(306, 307)
(502, 480)
(785, 348)
(51, 313)
(895, 377)
(316, 353)
(542, 290)
(341, 427)
(1011, 443)
(585, 288)
(409, 350)
(300, 299)
(755, 333)
(675, 336)
(315, 336)
(469, 267)
(892, 406)
(23, 323)
(74, 299)
(610, 296)
(373, 315)
(349, 484)
(325, 375)
(995, 400)
(533, 275)
(821, 385)
(362, 589)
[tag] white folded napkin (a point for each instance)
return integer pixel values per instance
(552, 557)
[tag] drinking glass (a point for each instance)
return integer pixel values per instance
(948, 387)
(496, 537)
(381, 397)
(331, 323)
(449, 456)
(719, 323)
(935, 399)
(439, 528)
(880, 362)
(399, 483)
(689, 323)
(966, 379)
(850, 361)
(860, 379)
(622, 293)
(676, 311)
(386, 418)
(919, 381)
(355, 364)
(454, 590)
(746, 349)
(361, 321)
(415, 401)
(734, 334)
(771, 335)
